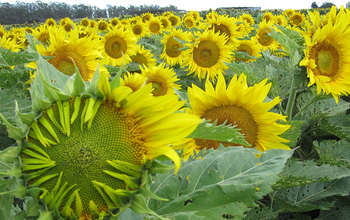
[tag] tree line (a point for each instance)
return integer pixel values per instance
(21, 12)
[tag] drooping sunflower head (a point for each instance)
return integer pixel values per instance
(262, 34)
(89, 150)
(50, 22)
(175, 20)
(207, 55)
(93, 23)
(242, 106)
(326, 59)
(166, 23)
(144, 57)
(118, 45)
(171, 51)
(163, 79)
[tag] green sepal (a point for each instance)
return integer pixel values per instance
(77, 103)
(125, 167)
(51, 92)
(43, 179)
(45, 215)
(79, 83)
(92, 87)
(139, 206)
(14, 132)
(23, 118)
(116, 81)
(10, 154)
(66, 209)
(39, 102)
(157, 167)
(146, 192)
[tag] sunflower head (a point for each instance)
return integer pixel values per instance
(88, 149)
(50, 22)
(241, 106)
(264, 39)
(251, 47)
(114, 22)
(144, 57)
(154, 25)
(102, 25)
(139, 29)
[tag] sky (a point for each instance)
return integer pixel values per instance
(199, 5)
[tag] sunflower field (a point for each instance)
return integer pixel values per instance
(226, 114)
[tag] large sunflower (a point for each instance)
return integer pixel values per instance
(327, 58)
(88, 151)
(251, 47)
(172, 53)
(163, 79)
(241, 106)
(207, 55)
(70, 50)
(119, 45)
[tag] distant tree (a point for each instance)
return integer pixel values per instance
(348, 5)
(327, 5)
(314, 5)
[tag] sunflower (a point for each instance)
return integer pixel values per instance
(85, 22)
(144, 57)
(42, 33)
(171, 53)
(67, 24)
(114, 22)
(251, 47)
(133, 80)
(2, 31)
(327, 58)
(9, 43)
(226, 26)
(207, 55)
(139, 29)
(119, 45)
(154, 25)
(64, 49)
(267, 42)
(102, 25)
(211, 15)
(297, 19)
(146, 16)
(175, 20)
(166, 23)
(194, 14)
(281, 20)
(288, 12)
(189, 22)
(248, 18)
(89, 152)
(163, 79)
(50, 22)
(268, 16)
(241, 106)
(93, 23)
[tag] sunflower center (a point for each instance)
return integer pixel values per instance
(222, 29)
(159, 86)
(189, 23)
(139, 58)
(115, 47)
(327, 59)
(172, 47)
(63, 62)
(235, 115)
(173, 21)
(207, 54)
(137, 30)
(296, 20)
(245, 48)
(83, 156)
(155, 27)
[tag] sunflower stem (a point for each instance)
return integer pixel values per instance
(291, 99)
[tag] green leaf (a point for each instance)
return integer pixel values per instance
(312, 196)
(223, 133)
(297, 173)
(9, 58)
(6, 200)
(259, 213)
(183, 96)
(232, 177)
(340, 211)
(333, 152)
(130, 214)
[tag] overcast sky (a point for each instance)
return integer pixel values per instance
(200, 5)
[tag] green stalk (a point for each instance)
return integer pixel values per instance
(291, 99)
